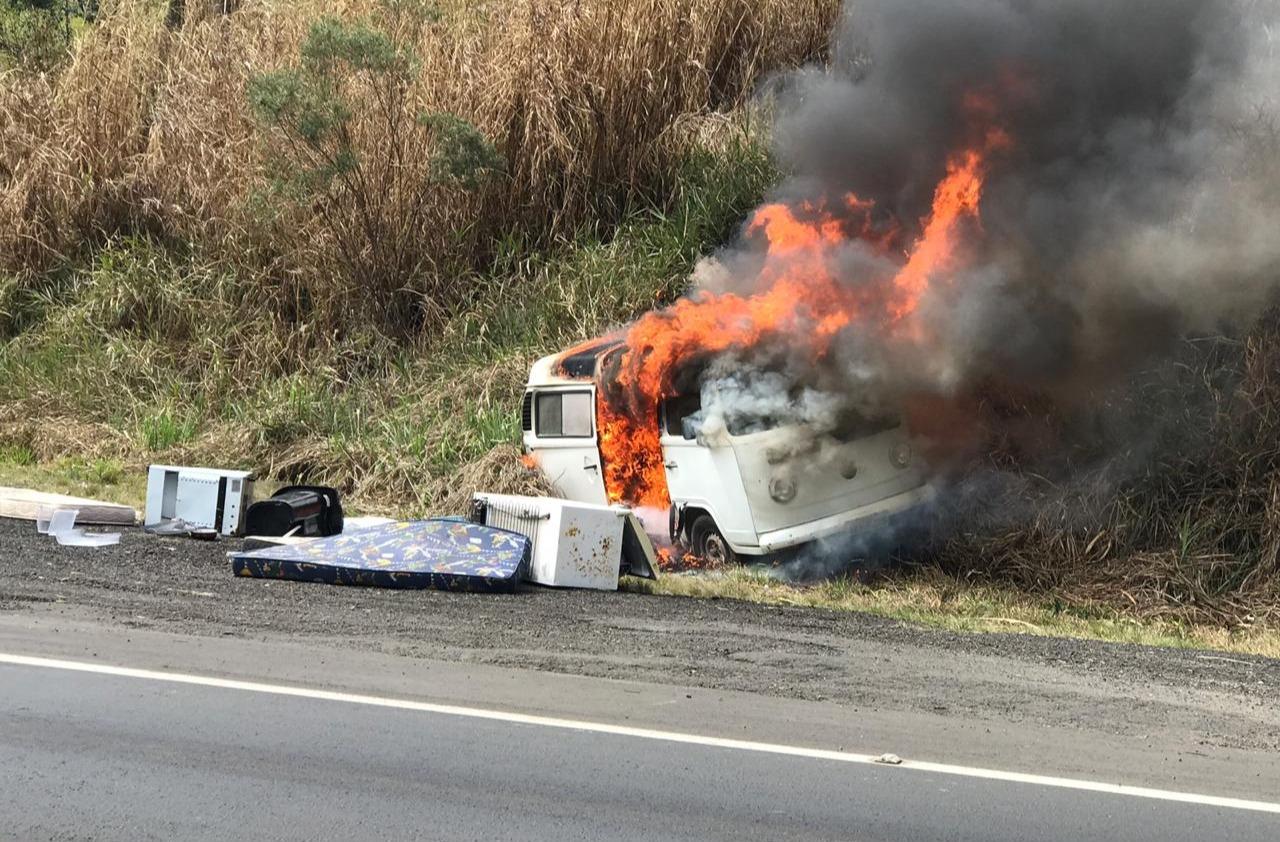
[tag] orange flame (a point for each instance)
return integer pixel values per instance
(798, 296)
(632, 456)
(955, 198)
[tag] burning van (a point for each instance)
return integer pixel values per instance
(727, 485)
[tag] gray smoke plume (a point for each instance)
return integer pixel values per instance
(1136, 203)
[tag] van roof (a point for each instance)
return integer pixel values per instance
(572, 366)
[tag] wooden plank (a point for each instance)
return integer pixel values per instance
(24, 504)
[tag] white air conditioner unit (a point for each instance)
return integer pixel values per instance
(575, 545)
(204, 498)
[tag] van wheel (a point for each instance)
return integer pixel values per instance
(707, 543)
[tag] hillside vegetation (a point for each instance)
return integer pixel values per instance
(324, 240)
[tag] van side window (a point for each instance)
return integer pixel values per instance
(563, 414)
(676, 410)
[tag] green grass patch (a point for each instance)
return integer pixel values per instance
(100, 479)
(16, 455)
(163, 430)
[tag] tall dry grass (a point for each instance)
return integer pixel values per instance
(588, 102)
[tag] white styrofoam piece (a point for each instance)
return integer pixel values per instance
(80, 538)
(61, 524)
(575, 545)
(43, 515)
(62, 520)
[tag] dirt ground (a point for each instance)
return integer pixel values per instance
(180, 585)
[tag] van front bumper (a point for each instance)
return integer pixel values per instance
(881, 510)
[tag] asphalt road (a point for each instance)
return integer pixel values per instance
(1198, 705)
(92, 756)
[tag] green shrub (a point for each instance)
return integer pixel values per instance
(377, 186)
(34, 36)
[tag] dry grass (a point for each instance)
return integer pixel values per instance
(164, 300)
(500, 471)
(588, 104)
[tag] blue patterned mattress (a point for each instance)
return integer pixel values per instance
(444, 554)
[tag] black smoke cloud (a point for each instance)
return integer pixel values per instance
(1136, 203)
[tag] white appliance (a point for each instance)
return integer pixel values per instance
(575, 545)
(203, 498)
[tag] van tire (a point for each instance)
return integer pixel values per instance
(706, 542)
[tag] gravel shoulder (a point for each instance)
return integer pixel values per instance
(869, 663)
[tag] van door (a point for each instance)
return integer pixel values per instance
(562, 438)
(705, 474)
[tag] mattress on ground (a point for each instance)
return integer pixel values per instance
(443, 554)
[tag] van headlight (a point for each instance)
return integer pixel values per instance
(782, 489)
(900, 455)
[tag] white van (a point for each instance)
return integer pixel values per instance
(734, 493)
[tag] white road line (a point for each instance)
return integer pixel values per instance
(642, 733)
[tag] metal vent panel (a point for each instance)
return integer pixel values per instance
(523, 521)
